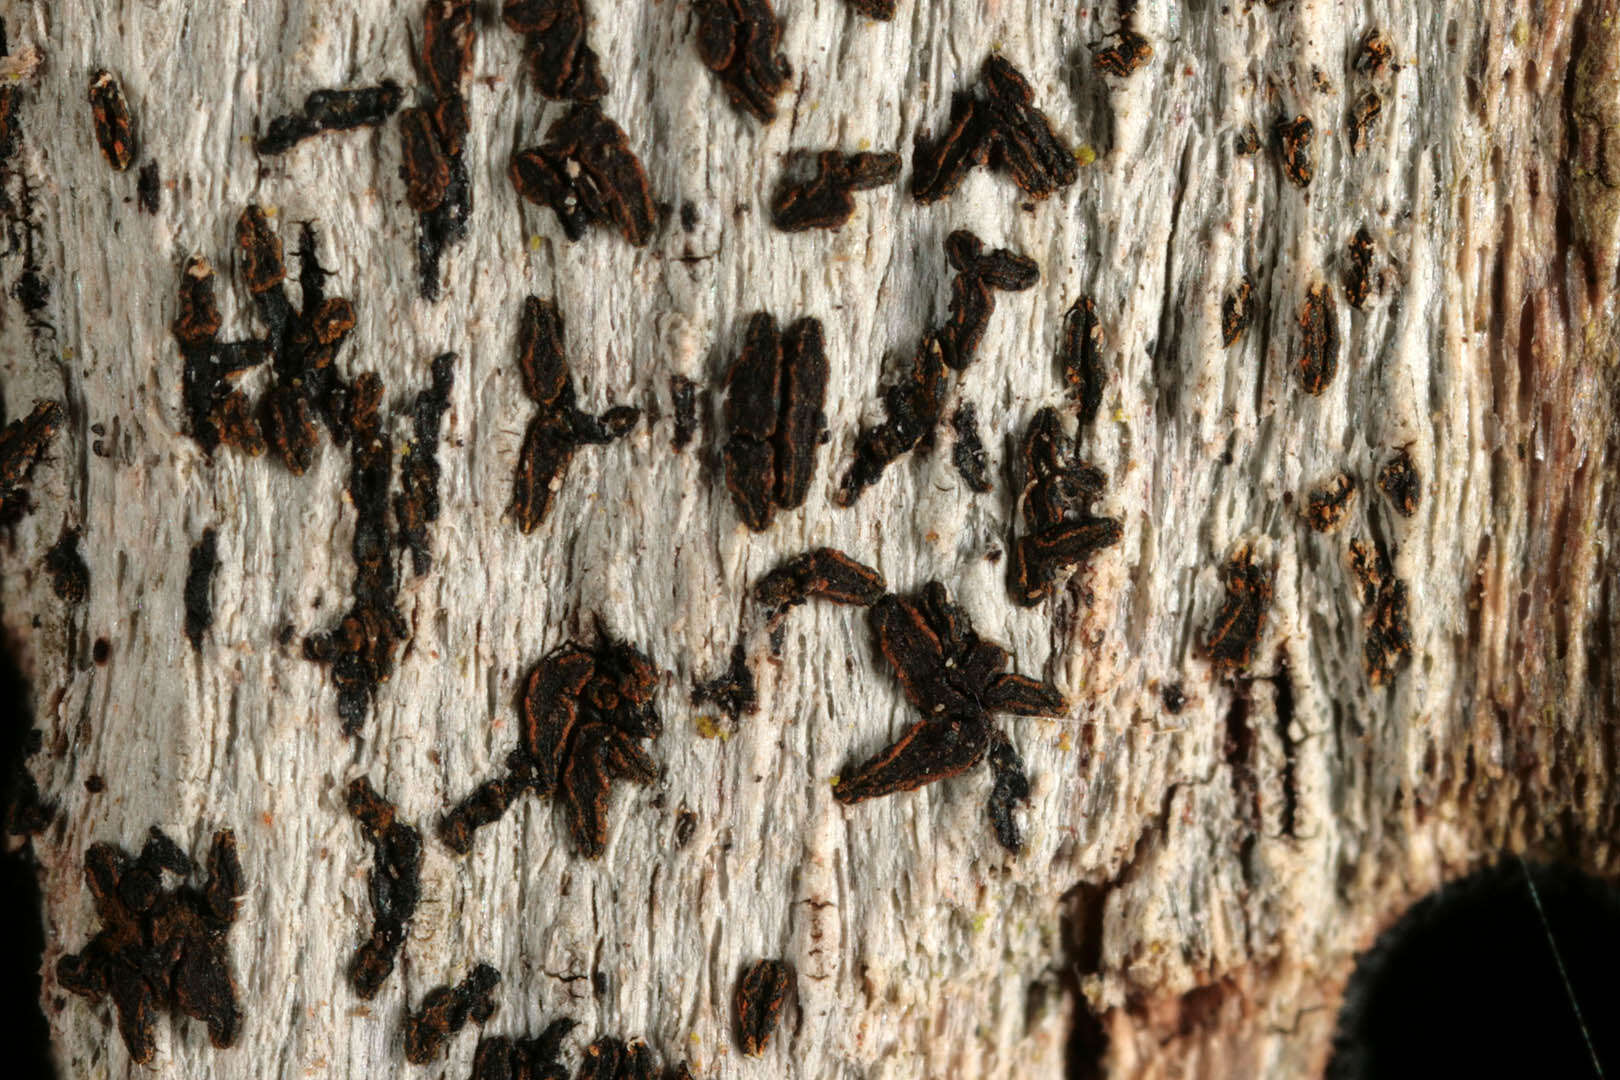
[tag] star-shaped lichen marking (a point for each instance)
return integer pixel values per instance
(956, 680)
(160, 949)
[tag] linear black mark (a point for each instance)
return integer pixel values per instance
(70, 577)
(147, 188)
(361, 646)
(199, 585)
(417, 505)
(445, 1010)
(438, 184)
(1283, 704)
(683, 392)
(394, 885)
(967, 454)
(331, 110)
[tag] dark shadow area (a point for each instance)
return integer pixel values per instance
(1088, 1043)
(1082, 922)
(1468, 982)
(28, 1048)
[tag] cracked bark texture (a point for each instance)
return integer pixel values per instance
(1198, 882)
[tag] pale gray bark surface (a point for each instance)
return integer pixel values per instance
(922, 949)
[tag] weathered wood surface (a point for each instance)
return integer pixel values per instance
(1161, 876)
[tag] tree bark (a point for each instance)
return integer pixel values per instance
(1194, 885)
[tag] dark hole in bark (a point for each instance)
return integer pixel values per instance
(1082, 921)
(28, 1046)
(1088, 1042)
(1472, 981)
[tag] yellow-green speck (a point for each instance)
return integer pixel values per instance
(709, 728)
